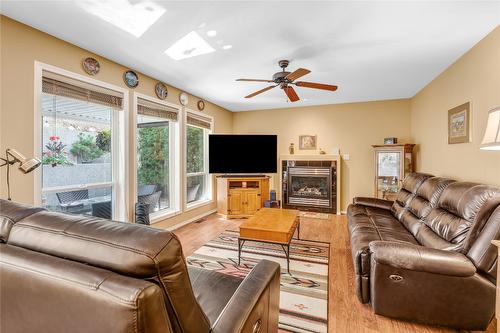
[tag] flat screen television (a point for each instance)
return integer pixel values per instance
(246, 154)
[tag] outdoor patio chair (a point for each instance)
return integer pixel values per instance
(70, 201)
(153, 200)
(146, 189)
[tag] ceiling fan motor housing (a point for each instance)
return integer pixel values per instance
(280, 76)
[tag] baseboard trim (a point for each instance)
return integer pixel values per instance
(191, 220)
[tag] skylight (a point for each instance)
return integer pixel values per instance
(191, 45)
(134, 17)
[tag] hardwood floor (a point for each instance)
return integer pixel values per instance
(346, 313)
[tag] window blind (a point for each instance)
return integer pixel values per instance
(148, 108)
(199, 120)
(60, 85)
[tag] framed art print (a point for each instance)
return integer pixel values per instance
(308, 142)
(459, 126)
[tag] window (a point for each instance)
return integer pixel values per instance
(156, 154)
(198, 181)
(79, 146)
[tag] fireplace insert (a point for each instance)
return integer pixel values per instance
(309, 186)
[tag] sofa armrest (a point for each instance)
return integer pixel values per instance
(421, 259)
(431, 286)
(254, 307)
(373, 202)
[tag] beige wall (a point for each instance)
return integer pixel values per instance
(352, 128)
(20, 47)
(475, 77)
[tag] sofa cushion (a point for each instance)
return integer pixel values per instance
(358, 209)
(212, 290)
(421, 204)
(10, 213)
(364, 229)
(448, 224)
(408, 190)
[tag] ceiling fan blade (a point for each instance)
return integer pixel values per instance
(296, 74)
(260, 91)
(292, 95)
(316, 85)
(254, 80)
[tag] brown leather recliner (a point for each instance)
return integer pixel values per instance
(427, 256)
(69, 273)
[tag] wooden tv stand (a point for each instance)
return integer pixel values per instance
(241, 196)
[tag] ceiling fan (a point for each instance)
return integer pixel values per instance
(285, 80)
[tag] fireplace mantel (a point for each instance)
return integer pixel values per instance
(313, 158)
(316, 157)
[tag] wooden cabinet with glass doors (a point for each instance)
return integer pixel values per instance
(392, 164)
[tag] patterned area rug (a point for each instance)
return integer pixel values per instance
(304, 294)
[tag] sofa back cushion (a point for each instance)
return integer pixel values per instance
(408, 190)
(10, 213)
(421, 204)
(128, 249)
(448, 225)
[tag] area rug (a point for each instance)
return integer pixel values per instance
(304, 293)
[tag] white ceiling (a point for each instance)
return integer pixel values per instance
(372, 50)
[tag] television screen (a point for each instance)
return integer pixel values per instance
(242, 153)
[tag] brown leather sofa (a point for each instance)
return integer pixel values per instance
(427, 256)
(70, 273)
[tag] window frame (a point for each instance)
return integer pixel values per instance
(120, 172)
(208, 178)
(174, 159)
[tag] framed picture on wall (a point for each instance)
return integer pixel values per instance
(459, 126)
(308, 142)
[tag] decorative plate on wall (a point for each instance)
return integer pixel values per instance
(91, 66)
(183, 98)
(131, 79)
(201, 105)
(161, 90)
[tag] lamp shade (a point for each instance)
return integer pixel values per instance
(491, 139)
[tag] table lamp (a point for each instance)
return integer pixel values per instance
(491, 139)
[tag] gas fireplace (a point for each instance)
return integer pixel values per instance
(309, 186)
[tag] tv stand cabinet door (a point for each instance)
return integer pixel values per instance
(251, 202)
(236, 198)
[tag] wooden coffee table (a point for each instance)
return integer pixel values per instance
(271, 225)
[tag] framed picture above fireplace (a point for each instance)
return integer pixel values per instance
(308, 142)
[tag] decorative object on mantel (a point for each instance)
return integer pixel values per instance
(322, 152)
(26, 165)
(307, 142)
(201, 105)
(390, 141)
(459, 124)
(91, 66)
(291, 149)
(183, 98)
(161, 90)
(131, 79)
(491, 139)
